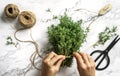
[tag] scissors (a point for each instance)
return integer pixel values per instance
(103, 54)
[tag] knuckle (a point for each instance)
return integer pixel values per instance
(76, 54)
(51, 69)
(54, 69)
(57, 69)
(84, 53)
(55, 58)
(88, 55)
(46, 63)
(89, 66)
(49, 64)
(52, 52)
(93, 66)
(84, 68)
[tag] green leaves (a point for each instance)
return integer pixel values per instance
(106, 35)
(66, 37)
(48, 10)
(10, 41)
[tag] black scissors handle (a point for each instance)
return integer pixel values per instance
(102, 55)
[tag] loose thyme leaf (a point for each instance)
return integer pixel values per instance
(48, 10)
(55, 17)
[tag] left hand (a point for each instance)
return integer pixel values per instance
(51, 64)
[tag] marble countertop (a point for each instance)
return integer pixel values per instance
(13, 61)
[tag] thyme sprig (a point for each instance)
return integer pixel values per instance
(10, 41)
(106, 35)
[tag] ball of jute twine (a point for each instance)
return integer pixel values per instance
(11, 10)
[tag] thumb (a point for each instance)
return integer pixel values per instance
(59, 62)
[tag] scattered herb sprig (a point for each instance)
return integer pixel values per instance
(66, 38)
(55, 17)
(10, 41)
(48, 10)
(106, 35)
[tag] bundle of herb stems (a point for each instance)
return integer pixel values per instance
(66, 37)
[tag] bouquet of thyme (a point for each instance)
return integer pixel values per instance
(66, 38)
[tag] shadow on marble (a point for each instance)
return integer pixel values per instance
(7, 19)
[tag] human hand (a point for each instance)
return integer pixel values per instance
(51, 64)
(85, 64)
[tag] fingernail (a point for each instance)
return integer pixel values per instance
(63, 57)
(74, 52)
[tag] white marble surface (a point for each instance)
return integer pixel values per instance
(14, 60)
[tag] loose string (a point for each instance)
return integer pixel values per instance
(35, 54)
(33, 42)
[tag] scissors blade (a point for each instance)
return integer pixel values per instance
(113, 43)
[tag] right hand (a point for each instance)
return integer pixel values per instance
(85, 64)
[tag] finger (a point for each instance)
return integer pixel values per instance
(59, 62)
(78, 58)
(56, 58)
(85, 58)
(50, 56)
(91, 60)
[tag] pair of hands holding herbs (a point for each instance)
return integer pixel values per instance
(51, 64)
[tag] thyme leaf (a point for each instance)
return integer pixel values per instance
(48, 10)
